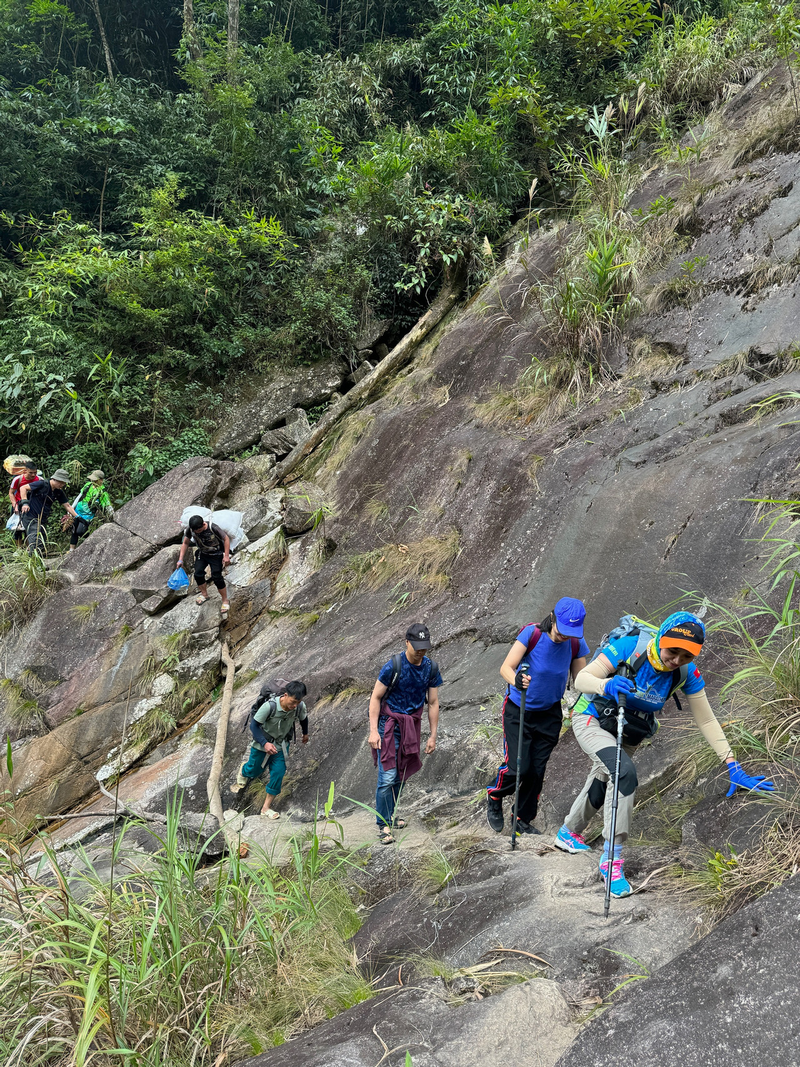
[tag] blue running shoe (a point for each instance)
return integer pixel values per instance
(569, 842)
(620, 886)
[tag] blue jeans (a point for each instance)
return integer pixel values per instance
(388, 792)
(259, 762)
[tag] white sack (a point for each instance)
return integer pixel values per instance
(228, 521)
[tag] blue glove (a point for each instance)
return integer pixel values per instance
(616, 684)
(758, 784)
(523, 669)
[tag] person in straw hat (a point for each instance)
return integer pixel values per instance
(92, 499)
(36, 503)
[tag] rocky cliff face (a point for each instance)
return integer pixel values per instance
(426, 504)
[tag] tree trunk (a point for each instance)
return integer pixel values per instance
(233, 31)
(212, 786)
(103, 39)
(399, 355)
(190, 30)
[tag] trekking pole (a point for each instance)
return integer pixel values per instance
(622, 701)
(519, 763)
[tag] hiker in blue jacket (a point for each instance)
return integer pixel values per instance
(404, 684)
(551, 651)
(660, 665)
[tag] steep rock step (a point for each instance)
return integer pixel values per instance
(724, 1001)
(519, 909)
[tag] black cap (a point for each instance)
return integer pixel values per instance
(419, 635)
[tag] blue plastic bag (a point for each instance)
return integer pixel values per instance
(179, 579)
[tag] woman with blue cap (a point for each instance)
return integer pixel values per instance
(551, 652)
(660, 666)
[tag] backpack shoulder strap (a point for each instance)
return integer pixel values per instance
(397, 660)
(259, 704)
(533, 640)
(576, 647)
(679, 676)
(434, 670)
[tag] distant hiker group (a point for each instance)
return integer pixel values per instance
(32, 497)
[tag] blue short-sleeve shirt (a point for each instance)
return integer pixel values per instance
(652, 687)
(550, 662)
(412, 685)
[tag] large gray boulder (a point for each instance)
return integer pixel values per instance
(262, 514)
(108, 549)
(302, 504)
(297, 387)
(730, 1000)
(154, 515)
(152, 576)
(281, 440)
(70, 645)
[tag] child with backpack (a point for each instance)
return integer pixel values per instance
(552, 651)
(661, 662)
(272, 723)
(404, 684)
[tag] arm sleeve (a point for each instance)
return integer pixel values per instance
(257, 732)
(708, 724)
(592, 679)
(304, 725)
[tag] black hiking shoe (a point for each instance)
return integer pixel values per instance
(526, 828)
(494, 814)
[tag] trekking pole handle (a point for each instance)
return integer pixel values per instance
(624, 671)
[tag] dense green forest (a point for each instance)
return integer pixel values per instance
(191, 195)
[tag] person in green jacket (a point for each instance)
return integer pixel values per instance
(92, 498)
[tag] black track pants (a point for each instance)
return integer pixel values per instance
(541, 730)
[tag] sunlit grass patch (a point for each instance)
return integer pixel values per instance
(422, 562)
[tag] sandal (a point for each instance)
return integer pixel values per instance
(224, 610)
(200, 599)
(400, 824)
(270, 814)
(385, 835)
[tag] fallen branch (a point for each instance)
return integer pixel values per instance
(399, 355)
(520, 952)
(212, 786)
(128, 811)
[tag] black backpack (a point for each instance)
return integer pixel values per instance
(397, 662)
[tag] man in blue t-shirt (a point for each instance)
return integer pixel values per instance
(551, 651)
(395, 722)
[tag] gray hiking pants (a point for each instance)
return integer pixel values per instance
(598, 793)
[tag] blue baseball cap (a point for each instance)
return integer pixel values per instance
(570, 614)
